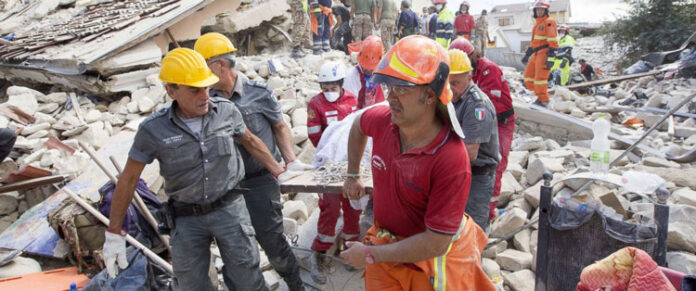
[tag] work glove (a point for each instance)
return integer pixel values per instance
(527, 54)
(549, 63)
(114, 251)
(297, 165)
(286, 175)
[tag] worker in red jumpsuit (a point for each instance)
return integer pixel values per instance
(542, 51)
(489, 78)
(464, 23)
(331, 105)
(358, 80)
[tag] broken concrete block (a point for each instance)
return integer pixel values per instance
(95, 135)
(289, 226)
(652, 161)
(92, 115)
(564, 106)
(521, 240)
(47, 107)
(299, 134)
(682, 262)
(36, 127)
(495, 249)
(58, 97)
(615, 201)
(26, 102)
(295, 209)
(272, 279)
(509, 221)
(680, 177)
(311, 200)
(306, 155)
(33, 157)
(518, 201)
(50, 157)
(518, 157)
(685, 196)
(508, 187)
(8, 202)
(682, 229)
(299, 117)
(19, 266)
(38, 134)
(535, 171)
(522, 280)
(514, 260)
(276, 83)
(263, 70)
(530, 144)
(145, 105)
(516, 170)
(491, 268)
(287, 105)
(132, 107)
(533, 242)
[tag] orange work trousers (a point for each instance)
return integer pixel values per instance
(536, 76)
(458, 270)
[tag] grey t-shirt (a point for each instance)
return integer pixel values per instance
(476, 114)
(389, 10)
(195, 169)
(260, 111)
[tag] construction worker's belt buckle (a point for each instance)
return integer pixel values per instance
(183, 210)
(503, 116)
(536, 49)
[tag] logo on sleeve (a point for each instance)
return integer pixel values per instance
(480, 113)
(378, 163)
(311, 114)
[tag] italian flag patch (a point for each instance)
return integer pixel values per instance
(480, 113)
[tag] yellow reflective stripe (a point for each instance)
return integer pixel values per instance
(539, 37)
(529, 79)
(552, 39)
(397, 65)
(541, 82)
(440, 263)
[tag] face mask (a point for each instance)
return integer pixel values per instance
(332, 96)
(439, 6)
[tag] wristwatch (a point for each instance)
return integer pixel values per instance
(369, 259)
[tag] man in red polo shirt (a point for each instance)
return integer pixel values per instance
(421, 238)
(489, 78)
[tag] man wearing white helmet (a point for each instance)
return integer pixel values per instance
(331, 105)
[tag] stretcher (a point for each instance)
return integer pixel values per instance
(305, 183)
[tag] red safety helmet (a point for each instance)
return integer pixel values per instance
(465, 2)
(541, 4)
(371, 52)
(564, 27)
(462, 44)
(439, 1)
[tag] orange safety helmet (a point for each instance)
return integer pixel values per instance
(418, 60)
(462, 44)
(370, 53)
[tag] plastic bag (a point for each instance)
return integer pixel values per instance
(140, 275)
(639, 67)
(641, 183)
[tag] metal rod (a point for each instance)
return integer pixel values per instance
(171, 38)
(149, 253)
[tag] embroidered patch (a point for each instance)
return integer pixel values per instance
(311, 114)
(541, 27)
(480, 113)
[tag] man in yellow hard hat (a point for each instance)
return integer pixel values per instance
(264, 118)
(193, 142)
(476, 113)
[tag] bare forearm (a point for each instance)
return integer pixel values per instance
(284, 141)
(260, 152)
(123, 194)
(420, 247)
(356, 146)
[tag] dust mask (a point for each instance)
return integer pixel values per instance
(439, 7)
(332, 96)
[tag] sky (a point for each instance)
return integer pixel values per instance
(581, 10)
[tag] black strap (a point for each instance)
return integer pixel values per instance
(183, 209)
(503, 116)
(257, 174)
(536, 49)
(486, 170)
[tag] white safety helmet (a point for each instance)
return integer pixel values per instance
(331, 72)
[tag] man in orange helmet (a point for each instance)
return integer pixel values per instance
(358, 81)
(542, 51)
(421, 238)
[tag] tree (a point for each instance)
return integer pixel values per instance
(650, 26)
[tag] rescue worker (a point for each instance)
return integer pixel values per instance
(193, 142)
(331, 105)
(542, 51)
(586, 70)
(476, 115)
(385, 17)
(262, 115)
(341, 31)
(421, 238)
(564, 56)
(408, 21)
(444, 25)
(321, 21)
(362, 13)
(299, 29)
(489, 78)
(358, 79)
(481, 36)
(464, 22)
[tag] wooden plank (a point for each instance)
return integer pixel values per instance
(33, 183)
(612, 80)
(305, 183)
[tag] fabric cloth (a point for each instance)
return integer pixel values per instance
(7, 141)
(230, 227)
(536, 75)
(389, 9)
(423, 188)
(260, 111)
(459, 269)
(587, 71)
(386, 30)
(341, 12)
(444, 29)
(362, 27)
(464, 25)
(299, 19)
(330, 206)
(265, 211)
(506, 130)
(626, 269)
(360, 85)
(477, 206)
(195, 170)
(432, 25)
(362, 7)
(489, 78)
(321, 113)
(476, 115)
(408, 20)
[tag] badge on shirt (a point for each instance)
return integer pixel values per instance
(480, 113)
(541, 27)
(311, 114)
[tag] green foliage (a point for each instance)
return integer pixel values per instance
(650, 26)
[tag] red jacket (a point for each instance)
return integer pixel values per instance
(489, 77)
(464, 24)
(321, 112)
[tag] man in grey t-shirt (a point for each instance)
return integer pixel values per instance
(476, 114)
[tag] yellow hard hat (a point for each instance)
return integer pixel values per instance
(459, 62)
(213, 44)
(185, 66)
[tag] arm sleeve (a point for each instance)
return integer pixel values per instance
(315, 128)
(551, 34)
(144, 148)
(372, 116)
(477, 131)
(492, 83)
(237, 122)
(271, 109)
(352, 82)
(448, 193)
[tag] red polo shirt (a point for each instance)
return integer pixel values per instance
(424, 187)
(490, 80)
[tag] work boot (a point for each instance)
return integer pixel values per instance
(317, 268)
(295, 283)
(297, 53)
(541, 103)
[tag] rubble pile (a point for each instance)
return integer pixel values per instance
(592, 49)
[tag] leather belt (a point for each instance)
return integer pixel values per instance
(503, 116)
(185, 209)
(486, 170)
(257, 174)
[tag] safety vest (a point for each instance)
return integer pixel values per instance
(566, 41)
(544, 33)
(445, 27)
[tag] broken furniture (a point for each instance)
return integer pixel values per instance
(564, 253)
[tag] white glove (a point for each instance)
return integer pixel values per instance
(287, 175)
(297, 165)
(114, 251)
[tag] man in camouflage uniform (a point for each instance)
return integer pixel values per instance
(299, 30)
(481, 37)
(386, 19)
